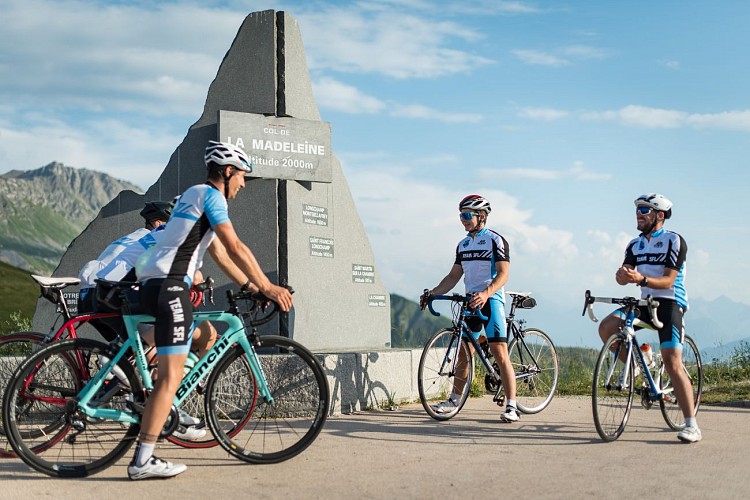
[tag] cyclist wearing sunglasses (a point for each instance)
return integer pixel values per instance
(200, 223)
(655, 261)
(483, 259)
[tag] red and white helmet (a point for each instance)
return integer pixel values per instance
(655, 201)
(475, 202)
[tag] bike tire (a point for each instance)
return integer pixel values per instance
(691, 361)
(14, 349)
(267, 433)
(535, 364)
(43, 391)
(435, 378)
(611, 404)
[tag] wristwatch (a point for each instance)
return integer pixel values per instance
(644, 281)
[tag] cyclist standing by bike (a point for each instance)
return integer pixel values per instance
(655, 261)
(483, 259)
(200, 222)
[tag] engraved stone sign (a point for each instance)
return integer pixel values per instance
(282, 148)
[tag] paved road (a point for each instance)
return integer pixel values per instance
(405, 454)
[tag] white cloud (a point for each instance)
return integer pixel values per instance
(390, 42)
(562, 56)
(671, 64)
(543, 114)
(577, 172)
(338, 96)
(642, 116)
(424, 112)
(539, 58)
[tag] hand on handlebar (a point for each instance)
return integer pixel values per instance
(424, 298)
(282, 296)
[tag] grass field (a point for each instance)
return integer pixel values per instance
(18, 294)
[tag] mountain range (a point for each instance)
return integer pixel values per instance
(42, 210)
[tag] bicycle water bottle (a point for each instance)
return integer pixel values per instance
(648, 354)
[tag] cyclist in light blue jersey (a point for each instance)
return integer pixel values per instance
(483, 259)
(655, 261)
(199, 223)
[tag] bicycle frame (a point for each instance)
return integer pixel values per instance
(460, 324)
(234, 335)
(629, 338)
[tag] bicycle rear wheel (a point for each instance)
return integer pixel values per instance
(612, 391)
(534, 362)
(195, 406)
(446, 364)
(670, 409)
(14, 349)
(254, 430)
(42, 395)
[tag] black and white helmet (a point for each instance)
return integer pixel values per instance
(475, 202)
(224, 153)
(655, 201)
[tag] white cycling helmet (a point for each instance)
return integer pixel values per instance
(223, 153)
(475, 202)
(655, 201)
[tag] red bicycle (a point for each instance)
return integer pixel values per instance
(17, 346)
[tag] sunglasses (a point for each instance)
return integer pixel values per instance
(467, 215)
(644, 210)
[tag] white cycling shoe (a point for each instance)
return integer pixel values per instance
(155, 468)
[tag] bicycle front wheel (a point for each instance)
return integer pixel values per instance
(446, 367)
(265, 432)
(670, 408)
(612, 391)
(42, 395)
(14, 349)
(534, 362)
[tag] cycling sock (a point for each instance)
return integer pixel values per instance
(454, 397)
(691, 422)
(143, 452)
(511, 403)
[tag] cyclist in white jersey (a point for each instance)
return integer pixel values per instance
(155, 214)
(483, 259)
(655, 261)
(199, 222)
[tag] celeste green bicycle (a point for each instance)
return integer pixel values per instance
(74, 408)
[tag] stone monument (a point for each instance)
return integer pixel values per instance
(297, 215)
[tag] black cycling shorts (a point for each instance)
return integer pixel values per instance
(168, 300)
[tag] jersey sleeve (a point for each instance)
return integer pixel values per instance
(501, 249)
(215, 208)
(677, 252)
(629, 256)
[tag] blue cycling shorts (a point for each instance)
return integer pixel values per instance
(494, 326)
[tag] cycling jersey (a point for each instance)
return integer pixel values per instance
(183, 243)
(89, 271)
(652, 256)
(118, 268)
(477, 255)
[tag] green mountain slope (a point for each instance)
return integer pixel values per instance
(411, 327)
(42, 210)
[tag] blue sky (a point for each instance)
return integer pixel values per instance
(559, 112)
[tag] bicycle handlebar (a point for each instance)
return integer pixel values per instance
(649, 301)
(260, 304)
(454, 298)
